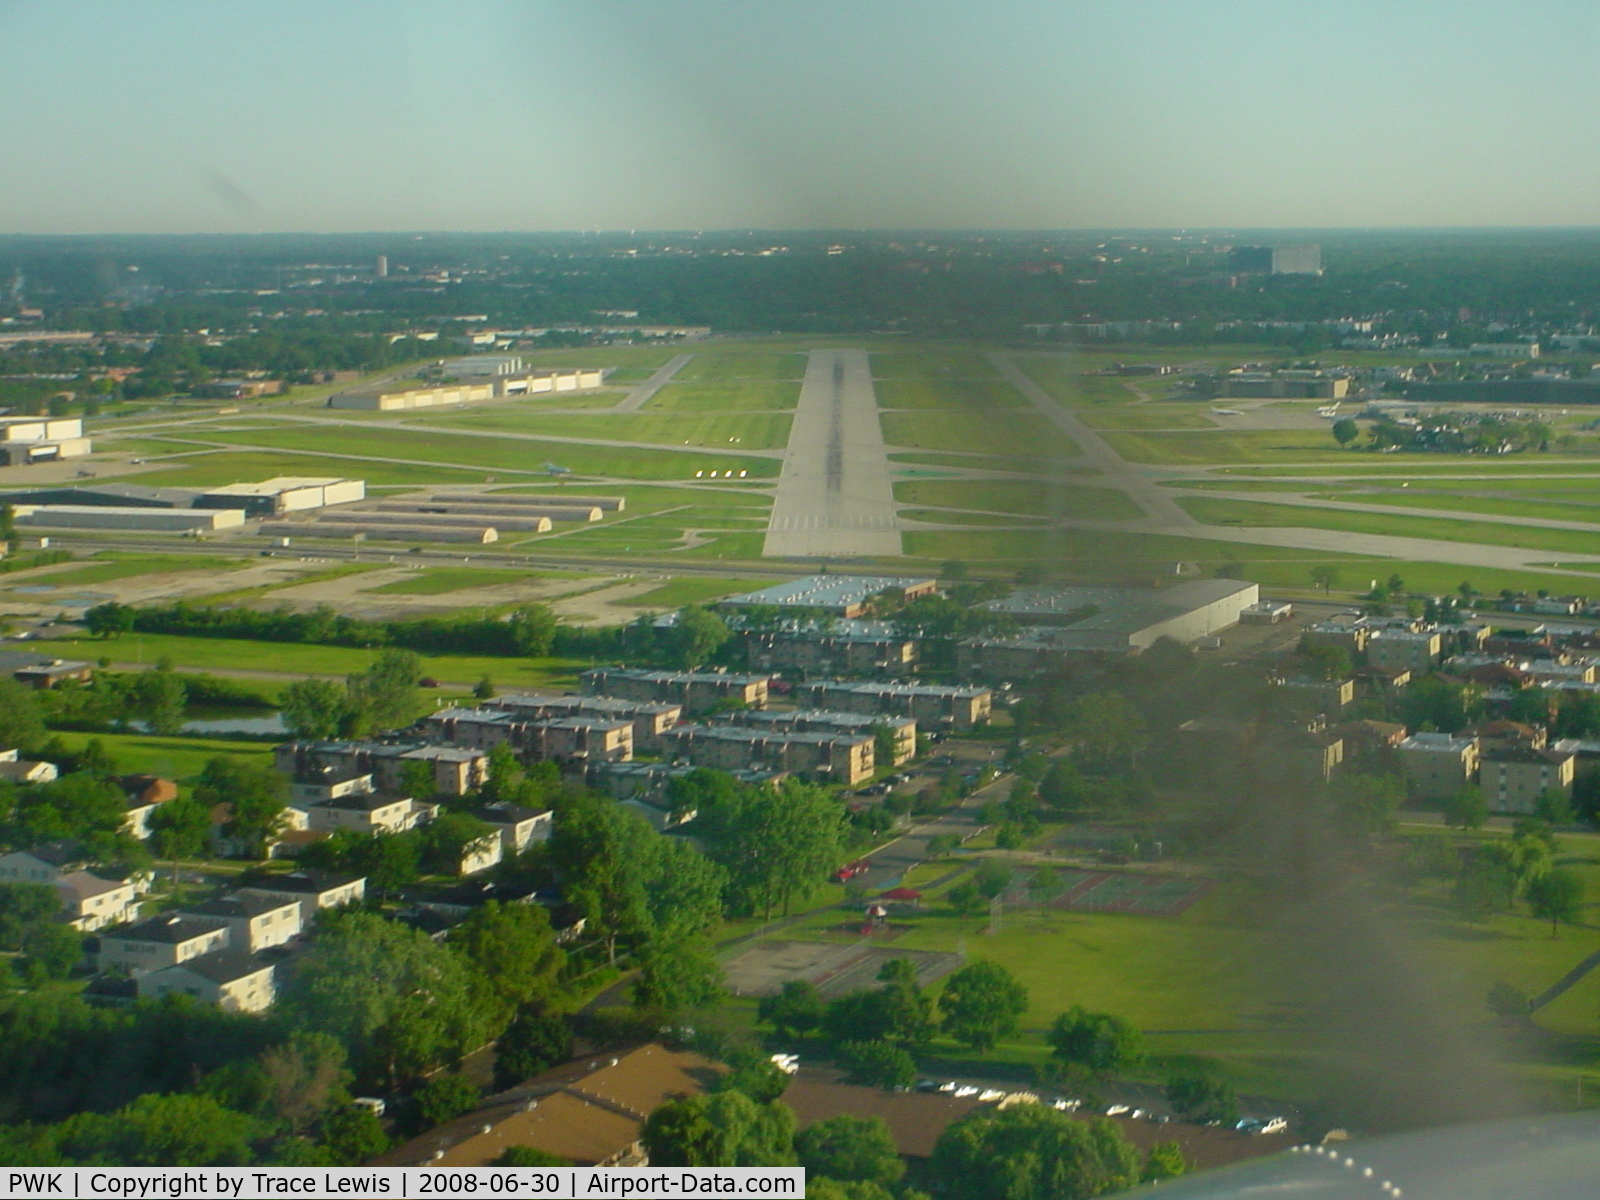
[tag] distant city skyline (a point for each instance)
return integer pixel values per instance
(176, 116)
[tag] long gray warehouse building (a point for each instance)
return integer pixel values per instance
(524, 524)
(516, 512)
(557, 499)
(476, 534)
(136, 519)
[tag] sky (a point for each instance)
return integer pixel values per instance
(193, 116)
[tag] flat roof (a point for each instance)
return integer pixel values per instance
(827, 591)
(275, 485)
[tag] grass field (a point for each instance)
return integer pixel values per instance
(1036, 499)
(745, 396)
(1146, 416)
(1066, 380)
(675, 593)
(1248, 512)
(222, 655)
(932, 364)
(1290, 446)
(980, 394)
(1466, 502)
(1019, 433)
(748, 365)
(179, 759)
(486, 453)
(749, 430)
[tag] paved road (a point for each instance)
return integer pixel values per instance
(1156, 501)
(641, 395)
(834, 498)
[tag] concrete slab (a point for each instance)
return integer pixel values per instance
(834, 497)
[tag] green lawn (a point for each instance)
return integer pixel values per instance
(747, 430)
(675, 593)
(980, 394)
(1249, 512)
(1146, 416)
(932, 364)
(1068, 381)
(733, 364)
(485, 453)
(1035, 499)
(1202, 447)
(291, 658)
(1016, 433)
(180, 759)
(1416, 498)
(744, 396)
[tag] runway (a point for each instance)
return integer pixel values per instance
(834, 498)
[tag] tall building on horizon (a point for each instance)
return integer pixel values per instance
(1276, 260)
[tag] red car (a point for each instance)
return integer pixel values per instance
(851, 870)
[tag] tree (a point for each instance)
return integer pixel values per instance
(398, 1001)
(1366, 804)
(444, 1098)
(255, 794)
(981, 1003)
(1557, 896)
(954, 570)
(109, 619)
(447, 840)
(179, 828)
(77, 806)
(677, 973)
(23, 908)
(1345, 431)
(1030, 1152)
(794, 1010)
(698, 634)
(484, 688)
(53, 949)
(850, 1149)
(1164, 1161)
(161, 696)
(533, 1042)
(314, 708)
(991, 878)
(723, 1129)
(384, 696)
(756, 1076)
(529, 1156)
(1196, 1093)
(1554, 807)
(161, 1131)
(777, 844)
(20, 723)
(513, 955)
(353, 1134)
(1504, 1000)
(878, 1064)
(1099, 1043)
(533, 629)
(1325, 576)
(1466, 809)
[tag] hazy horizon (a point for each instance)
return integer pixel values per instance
(178, 116)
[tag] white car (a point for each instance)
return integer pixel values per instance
(1116, 1110)
(990, 1094)
(962, 1093)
